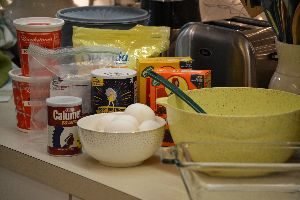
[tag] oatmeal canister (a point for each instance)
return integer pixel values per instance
(63, 114)
(113, 89)
(43, 31)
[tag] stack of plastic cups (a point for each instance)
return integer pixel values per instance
(30, 114)
(31, 110)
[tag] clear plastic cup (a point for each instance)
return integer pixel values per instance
(43, 31)
(31, 112)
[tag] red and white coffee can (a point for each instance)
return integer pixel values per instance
(43, 31)
(63, 114)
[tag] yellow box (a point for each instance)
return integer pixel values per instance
(157, 63)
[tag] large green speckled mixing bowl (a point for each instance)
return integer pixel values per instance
(234, 115)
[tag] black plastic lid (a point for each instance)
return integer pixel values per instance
(103, 14)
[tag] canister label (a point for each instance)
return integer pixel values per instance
(27, 109)
(113, 95)
(62, 130)
(48, 40)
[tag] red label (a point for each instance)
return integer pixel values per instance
(64, 151)
(50, 40)
(64, 116)
(24, 108)
(22, 94)
(63, 138)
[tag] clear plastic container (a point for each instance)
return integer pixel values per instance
(257, 171)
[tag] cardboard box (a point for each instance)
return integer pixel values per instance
(158, 63)
(185, 80)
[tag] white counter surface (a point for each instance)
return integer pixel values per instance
(81, 175)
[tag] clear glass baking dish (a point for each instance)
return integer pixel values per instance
(249, 173)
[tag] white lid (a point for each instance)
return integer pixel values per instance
(63, 101)
(38, 24)
(114, 73)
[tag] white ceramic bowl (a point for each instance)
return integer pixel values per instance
(123, 149)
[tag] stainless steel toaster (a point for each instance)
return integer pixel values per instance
(240, 51)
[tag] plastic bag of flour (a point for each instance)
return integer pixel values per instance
(70, 62)
(68, 70)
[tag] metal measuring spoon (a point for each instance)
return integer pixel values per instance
(148, 71)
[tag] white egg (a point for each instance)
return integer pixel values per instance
(92, 124)
(128, 118)
(120, 125)
(103, 120)
(149, 125)
(140, 111)
(160, 120)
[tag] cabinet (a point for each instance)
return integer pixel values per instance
(17, 187)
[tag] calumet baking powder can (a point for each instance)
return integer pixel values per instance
(42, 31)
(63, 114)
(113, 89)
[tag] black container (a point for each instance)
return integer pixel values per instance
(172, 13)
(102, 17)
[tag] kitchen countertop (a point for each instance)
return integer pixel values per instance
(81, 175)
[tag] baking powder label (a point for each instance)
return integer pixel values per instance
(113, 95)
(50, 40)
(62, 130)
